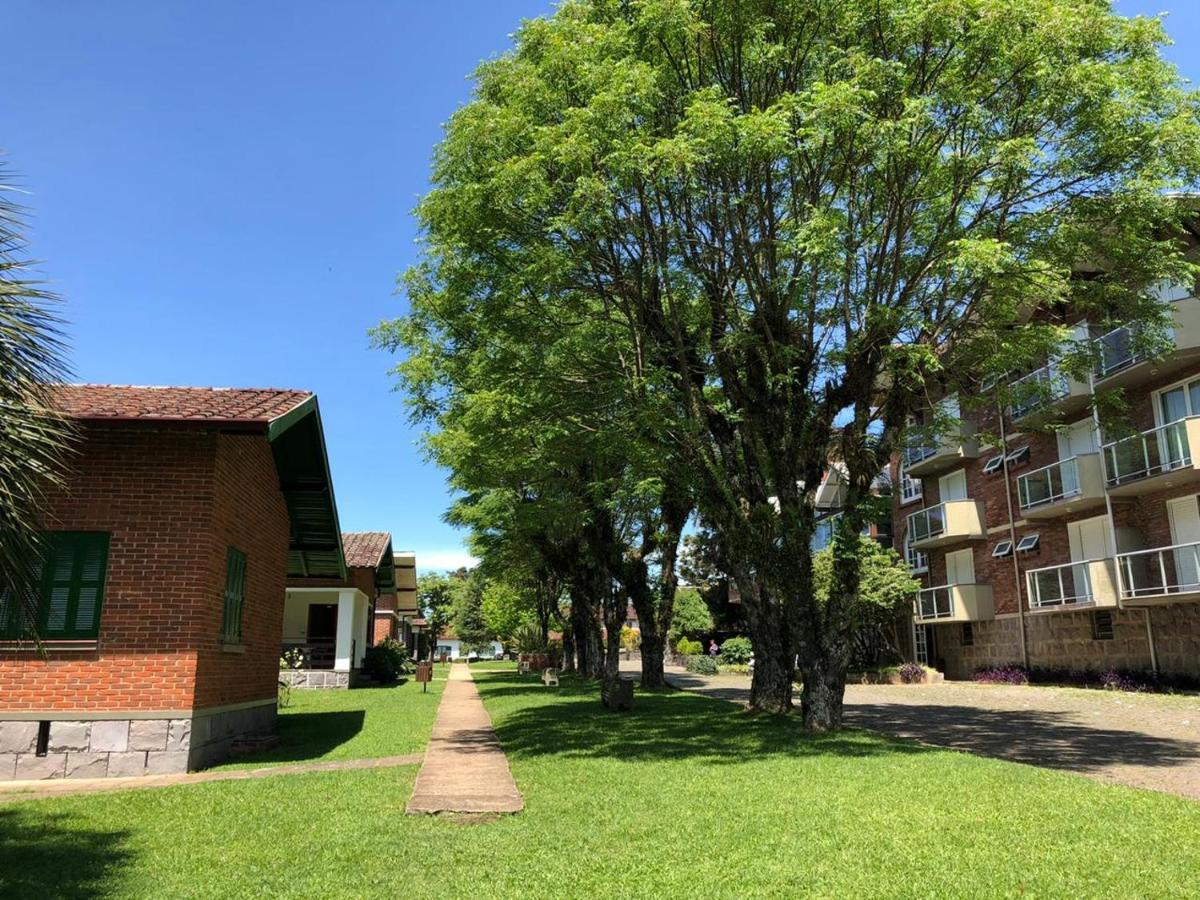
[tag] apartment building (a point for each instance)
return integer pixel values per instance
(1072, 548)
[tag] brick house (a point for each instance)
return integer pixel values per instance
(169, 548)
(1071, 549)
(332, 621)
(396, 613)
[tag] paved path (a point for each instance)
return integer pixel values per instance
(1144, 740)
(11, 791)
(465, 769)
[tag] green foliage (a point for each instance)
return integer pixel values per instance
(385, 661)
(631, 638)
(35, 440)
(506, 608)
(528, 639)
(692, 616)
(687, 647)
(736, 651)
(435, 596)
(702, 665)
(467, 615)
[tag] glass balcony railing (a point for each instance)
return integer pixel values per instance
(1049, 484)
(917, 451)
(1162, 572)
(1118, 351)
(1039, 387)
(936, 602)
(1158, 450)
(1063, 585)
(927, 523)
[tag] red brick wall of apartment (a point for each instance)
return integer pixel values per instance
(249, 513)
(154, 492)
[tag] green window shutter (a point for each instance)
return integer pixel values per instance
(73, 585)
(235, 593)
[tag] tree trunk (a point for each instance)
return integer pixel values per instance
(568, 650)
(653, 647)
(822, 694)
(774, 662)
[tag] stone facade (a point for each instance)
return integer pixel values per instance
(316, 679)
(124, 748)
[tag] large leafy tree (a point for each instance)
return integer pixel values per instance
(801, 219)
(34, 439)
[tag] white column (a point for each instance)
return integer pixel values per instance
(343, 647)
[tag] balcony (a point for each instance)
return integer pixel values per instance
(1046, 394)
(954, 603)
(1154, 460)
(1061, 488)
(1123, 363)
(832, 492)
(1162, 575)
(947, 523)
(925, 457)
(1090, 583)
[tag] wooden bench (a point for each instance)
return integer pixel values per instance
(550, 677)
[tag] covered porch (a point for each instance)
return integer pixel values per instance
(328, 627)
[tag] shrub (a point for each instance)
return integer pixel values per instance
(736, 651)
(702, 665)
(631, 639)
(1010, 674)
(734, 669)
(687, 647)
(528, 639)
(385, 661)
(911, 673)
(1116, 680)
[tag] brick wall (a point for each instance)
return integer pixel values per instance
(160, 493)
(249, 513)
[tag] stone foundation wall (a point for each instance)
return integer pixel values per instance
(118, 748)
(1065, 640)
(316, 679)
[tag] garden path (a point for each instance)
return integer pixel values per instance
(465, 769)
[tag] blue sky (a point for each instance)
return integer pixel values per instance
(221, 192)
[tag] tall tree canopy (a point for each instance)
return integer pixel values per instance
(760, 233)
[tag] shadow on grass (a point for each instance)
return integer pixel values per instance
(307, 736)
(663, 725)
(1055, 740)
(46, 856)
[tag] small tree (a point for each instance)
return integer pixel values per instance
(631, 638)
(692, 617)
(435, 594)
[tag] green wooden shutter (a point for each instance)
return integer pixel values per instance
(235, 593)
(73, 585)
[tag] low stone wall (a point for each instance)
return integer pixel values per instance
(316, 679)
(1065, 640)
(118, 748)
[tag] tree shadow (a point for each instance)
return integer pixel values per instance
(662, 725)
(50, 855)
(304, 737)
(1055, 740)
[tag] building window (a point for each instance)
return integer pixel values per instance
(917, 561)
(235, 596)
(1002, 549)
(1018, 456)
(72, 591)
(1102, 625)
(911, 489)
(921, 645)
(1028, 543)
(994, 464)
(968, 634)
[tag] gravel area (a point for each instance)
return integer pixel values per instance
(1144, 740)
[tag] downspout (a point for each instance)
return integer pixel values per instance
(1012, 536)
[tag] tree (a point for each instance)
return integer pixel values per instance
(692, 617)
(506, 608)
(800, 220)
(435, 594)
(885, 598)
(35, 440)
(467, 614)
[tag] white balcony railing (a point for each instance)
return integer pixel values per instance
(1157, 450)
(1049, 484)
(936, 602)
(917, 451)
(1161, 572)
(1064, 585)
(1118, 350)
(1044, 385)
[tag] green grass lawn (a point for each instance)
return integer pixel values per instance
(686, 797)
(358, 724)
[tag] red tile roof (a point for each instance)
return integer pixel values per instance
(364, 549)
(119, 401)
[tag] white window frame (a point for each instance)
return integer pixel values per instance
(1156, 399)
(906, 497)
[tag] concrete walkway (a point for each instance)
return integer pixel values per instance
(465, 769)
(11, 791)
(1148, 741)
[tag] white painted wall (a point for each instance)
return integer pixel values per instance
(455, 648)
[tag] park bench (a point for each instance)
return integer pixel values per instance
(523, 667)
(550, 677)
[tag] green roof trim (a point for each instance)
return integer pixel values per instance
(298, 443)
